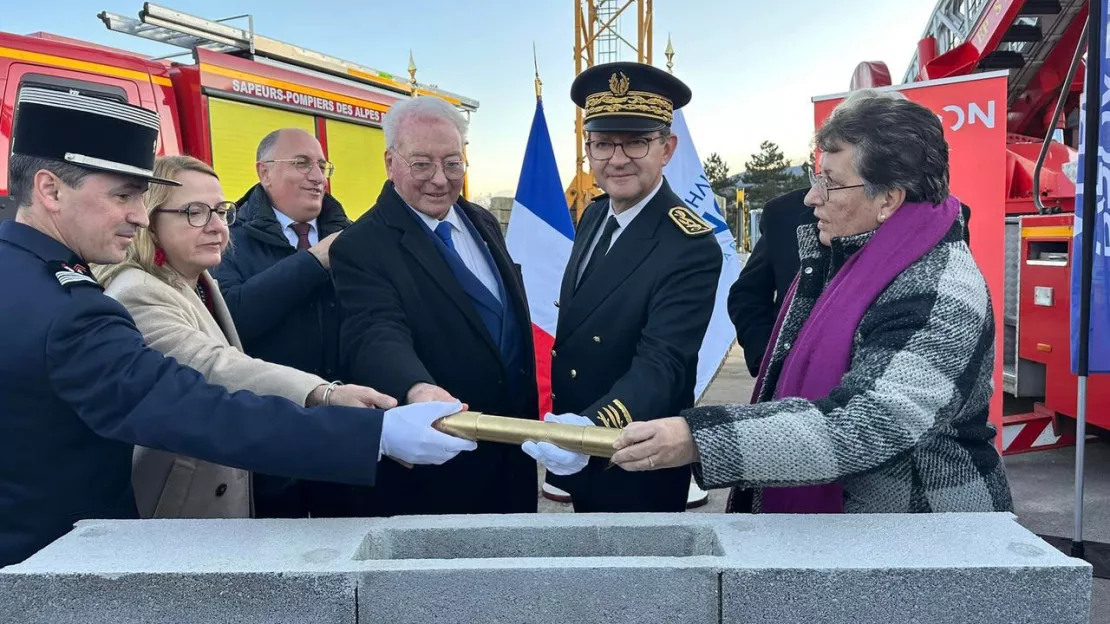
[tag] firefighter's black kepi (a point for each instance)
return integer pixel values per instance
(88, 131)
(628, 97)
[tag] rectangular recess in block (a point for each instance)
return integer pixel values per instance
(540, 542)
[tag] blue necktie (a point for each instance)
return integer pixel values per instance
(443, 231)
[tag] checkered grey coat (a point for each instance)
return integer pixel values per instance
(907, 430)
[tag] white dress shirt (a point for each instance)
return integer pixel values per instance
(291, 234)
(469, 249)
(624, 219)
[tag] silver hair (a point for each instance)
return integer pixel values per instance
(898, 144)
(857, 96)
(266, 145)
(421, 107)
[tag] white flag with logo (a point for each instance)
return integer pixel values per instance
(687, 178)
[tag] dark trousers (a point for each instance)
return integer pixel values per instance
(597, 489)
(494, 479)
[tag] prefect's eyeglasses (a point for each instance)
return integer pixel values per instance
(633, 148)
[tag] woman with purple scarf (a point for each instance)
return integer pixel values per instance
(875, 394)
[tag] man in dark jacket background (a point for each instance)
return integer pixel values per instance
(276, 280)
(753, 301)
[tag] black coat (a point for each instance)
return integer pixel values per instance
(282, 300)
(283, 304)
(753, 301)
(406, 320)
(627, 342)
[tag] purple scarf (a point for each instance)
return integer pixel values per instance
(821, 354)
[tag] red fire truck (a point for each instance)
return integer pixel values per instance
(1036, 41)
(238, 87)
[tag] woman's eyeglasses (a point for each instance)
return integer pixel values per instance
(200, 213)
(821, 183)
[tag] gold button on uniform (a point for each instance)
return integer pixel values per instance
(573, 373)
(597, 339)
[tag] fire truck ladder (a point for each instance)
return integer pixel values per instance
(164, 25)
(949, 24)
(1036, 28)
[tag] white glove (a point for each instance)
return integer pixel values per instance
(408, 436)
(557, 460)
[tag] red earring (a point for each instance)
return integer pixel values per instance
(159, 256)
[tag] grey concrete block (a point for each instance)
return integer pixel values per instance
(594, 593)
(884, 596)
(188, 570)
(567, 568)
(166, 598)
(506, 542)
(877, 569)
(694, 568)
(975, 540)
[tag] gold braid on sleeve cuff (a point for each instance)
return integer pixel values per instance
(615, 415)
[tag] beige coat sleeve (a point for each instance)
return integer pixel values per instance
(171, 327)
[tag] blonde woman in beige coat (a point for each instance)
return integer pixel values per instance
(165, 285)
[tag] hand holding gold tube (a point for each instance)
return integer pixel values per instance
(479, 427)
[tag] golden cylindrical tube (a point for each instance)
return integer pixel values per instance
(479, 427)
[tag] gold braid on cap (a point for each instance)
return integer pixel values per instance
(632, 103)
(618, 100)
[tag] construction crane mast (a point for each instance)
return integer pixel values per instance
(598, 39)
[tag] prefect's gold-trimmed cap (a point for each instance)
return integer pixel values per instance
(628, 97)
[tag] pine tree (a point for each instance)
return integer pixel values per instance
(716, 171)
(767, 175)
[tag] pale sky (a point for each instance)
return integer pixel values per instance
(753, 66)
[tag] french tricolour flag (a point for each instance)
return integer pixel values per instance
(539, 236)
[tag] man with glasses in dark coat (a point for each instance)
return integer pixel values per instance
(275, 277)
(433, 308)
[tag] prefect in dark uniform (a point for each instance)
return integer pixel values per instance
(627, 341)
(78, 387)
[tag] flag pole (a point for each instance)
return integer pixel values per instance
(695, 496)
(1090, 200)
(670, 55)
(536, 62)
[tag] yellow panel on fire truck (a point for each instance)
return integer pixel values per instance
(358, 155)
(236, 130)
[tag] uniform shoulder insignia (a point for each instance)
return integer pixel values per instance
(690, 223)
(70, 275)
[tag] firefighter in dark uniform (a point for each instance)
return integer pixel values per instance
(78, 388)
(637, 293)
